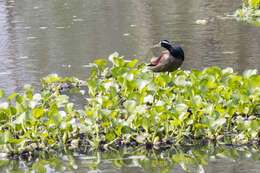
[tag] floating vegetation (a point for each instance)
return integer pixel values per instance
(250, 12)
(128, 105)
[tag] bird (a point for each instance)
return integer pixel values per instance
(169, 60)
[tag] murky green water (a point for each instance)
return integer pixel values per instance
(63, 36)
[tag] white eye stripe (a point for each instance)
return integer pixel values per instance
(165, 42)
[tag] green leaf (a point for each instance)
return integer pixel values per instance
(12, 96)
(7, 136)
(132, 63)
(53, 109)
(130, 105)
(140, 84)
(51, 78)
(28, 88)
(117, 61)
(4, 105)
(21, 118)
(248, 73)
(141, 139)
(38, 112)
(69, 107)
(129, 76)
(254, 81)
(180, 81)
(2, 94)
(197, 101)
(39, 168)
(110, 136)
(219, 122)
(228, 70)
(148, 99)
(111, 57)
(181, 108)
(15, 141)
(101, 64)
(92, 85)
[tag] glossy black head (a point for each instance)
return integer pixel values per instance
(165, 43)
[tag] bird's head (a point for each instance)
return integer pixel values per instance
(165, 44)
(176, 51)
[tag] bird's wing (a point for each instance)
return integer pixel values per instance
(167, 63)
(164, 63)
(157, 61)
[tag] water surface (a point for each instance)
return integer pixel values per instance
(210, 159)
(61, 36)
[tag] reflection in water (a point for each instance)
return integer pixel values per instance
(185, 159)
(62, 36)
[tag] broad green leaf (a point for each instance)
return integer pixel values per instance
(254, 81)
(38, 112)
(228, 70)
(7, 136)
(12, 96)
(111, 57)
(53, 109)
(197, 101)
(2, 94)
(62, 99)
(132, 63)
(220, 121)
(130, 105)
(249, 73)
(101, 64)
(140, 84)
(69, 107)
(37, 97)
(180, 81)
(129, 76)
(28, 88)
(4, 105)
(117, 61)
(181, 108)
(51, 78)
(140, 139)
(148, 99)
(92, 85)
(15, 141)
(43, 135)
(110, 136)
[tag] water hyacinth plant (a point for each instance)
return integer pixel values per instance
(128, 105)
(250, 12)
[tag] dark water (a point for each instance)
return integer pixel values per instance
(63, 36)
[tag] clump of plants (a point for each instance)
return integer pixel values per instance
(128, 105)
(250, 12)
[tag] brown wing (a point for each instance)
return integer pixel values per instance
(167, 63)
(155, 62)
